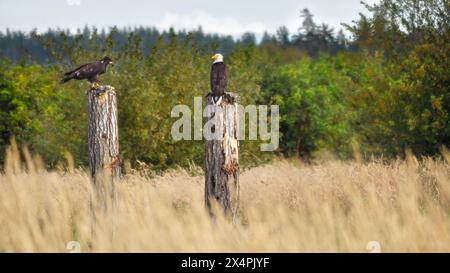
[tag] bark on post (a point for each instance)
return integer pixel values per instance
(222, 158)
(103, 134)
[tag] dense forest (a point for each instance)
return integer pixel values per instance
(381, 91)
(34, 47)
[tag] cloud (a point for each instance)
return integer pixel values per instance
(210, 24)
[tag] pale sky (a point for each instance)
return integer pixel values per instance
(224, 17)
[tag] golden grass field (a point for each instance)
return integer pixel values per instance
(286, 206)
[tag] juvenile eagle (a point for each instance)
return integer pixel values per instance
(89, 71)
(219, 78)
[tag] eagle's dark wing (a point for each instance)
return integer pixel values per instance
(76, 69)
(88, 71)
(219, 78)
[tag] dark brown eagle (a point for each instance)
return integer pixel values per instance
(219, 78)
(89, 71)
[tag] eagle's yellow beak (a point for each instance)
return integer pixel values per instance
(111, 62)
(215, 57)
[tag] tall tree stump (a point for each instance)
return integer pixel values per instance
(103, 134)
(222, 156)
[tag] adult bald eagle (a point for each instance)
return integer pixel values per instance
(89, 71)
(219, 78)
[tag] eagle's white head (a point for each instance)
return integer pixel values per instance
(218, 58)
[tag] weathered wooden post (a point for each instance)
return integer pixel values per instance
(222, 156)
(103, 134)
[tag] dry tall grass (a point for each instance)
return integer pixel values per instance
(331, 207)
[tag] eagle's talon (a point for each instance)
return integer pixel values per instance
(95, 85)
